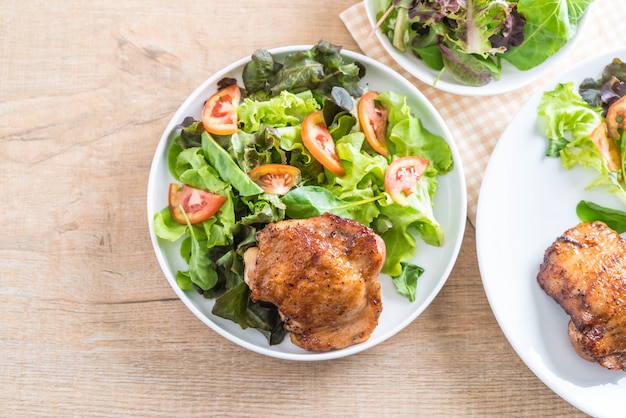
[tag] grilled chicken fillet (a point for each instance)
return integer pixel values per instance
(584, 270)
(322, 275)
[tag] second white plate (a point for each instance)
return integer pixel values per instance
(525, 202)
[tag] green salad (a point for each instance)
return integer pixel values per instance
(299, 137)
(587, 127)
(470, 38)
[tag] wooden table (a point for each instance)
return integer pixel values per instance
(90, 326)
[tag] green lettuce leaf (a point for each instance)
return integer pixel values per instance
(550, 24)
(286, 109)
(406, 282)
(569, 121)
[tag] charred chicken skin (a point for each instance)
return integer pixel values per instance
(584, 270)
(322, 275)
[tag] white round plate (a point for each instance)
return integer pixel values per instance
(526, 201)
(510, 80)
(398, 312)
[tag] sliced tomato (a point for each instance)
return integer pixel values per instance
(402, 176)
(275, 178)
(320, 144)
(373, 120)
(607, 146)
(199, 205)
(616, 117)
(219, 115)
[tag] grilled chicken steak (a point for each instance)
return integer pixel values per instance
(322, 275)
(584, 270)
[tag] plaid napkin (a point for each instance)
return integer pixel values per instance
(476, 123)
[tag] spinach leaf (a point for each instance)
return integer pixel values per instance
(590, 212)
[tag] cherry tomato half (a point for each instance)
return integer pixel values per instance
(199, 205)
(607, 147)
(402, 176)
(320, 144)
(616, 117)
(373, 120)
(275, 178)
(219, 115)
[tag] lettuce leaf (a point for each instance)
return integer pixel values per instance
(286, 109)
(550, 24)
(569, 121)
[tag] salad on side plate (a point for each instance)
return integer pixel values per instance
(295, 139)
(587, 126)
(469, 39)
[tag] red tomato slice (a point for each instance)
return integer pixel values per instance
(199, 205)
(616, 117)
(275, 178)
(607, 146)
(402, 176)
(373, 120)
(318, 142)
(219, 115)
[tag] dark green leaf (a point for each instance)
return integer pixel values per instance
(590, 212)
(431, 56)
(555, 146)
(258, 71)
(406, 282)
(235, 304)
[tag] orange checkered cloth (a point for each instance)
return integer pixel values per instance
(476, 122)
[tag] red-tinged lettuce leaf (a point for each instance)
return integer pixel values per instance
(512, 33)
(466, 68)
(477, 23)
(431, 11)
(607, 89)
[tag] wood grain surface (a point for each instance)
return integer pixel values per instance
(89, 325)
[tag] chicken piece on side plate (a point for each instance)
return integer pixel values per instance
(584, 270)
(322, 275)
